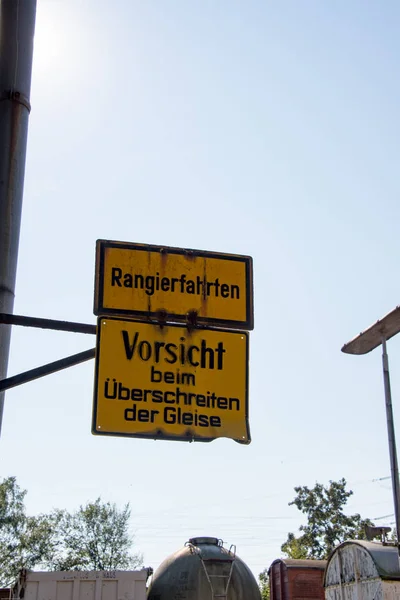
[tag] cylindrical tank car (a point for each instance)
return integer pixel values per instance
(203, 570)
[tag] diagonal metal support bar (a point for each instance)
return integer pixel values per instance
(47, 369)
(8, 319)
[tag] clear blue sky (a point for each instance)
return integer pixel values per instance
(261, 128)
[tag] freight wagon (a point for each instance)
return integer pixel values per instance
(361, 570)
(81, 585)
(291, 579)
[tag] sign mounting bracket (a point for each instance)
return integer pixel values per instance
(53, 367)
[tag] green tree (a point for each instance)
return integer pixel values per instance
(23, 539)
(295, 547)
(327, 525)
(95, 537)
(263, 584)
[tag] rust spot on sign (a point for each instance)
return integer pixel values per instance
(161, 316)
(191, 319)
(190, 255)
(164, 257)
(204, 291)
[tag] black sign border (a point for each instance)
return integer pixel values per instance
(160, 434)
(99, 309)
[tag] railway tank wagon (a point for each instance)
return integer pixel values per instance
(203, 570)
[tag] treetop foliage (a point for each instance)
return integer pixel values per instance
(327, 525)
(263, 584)
(95, 537)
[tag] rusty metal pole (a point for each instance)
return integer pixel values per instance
(17, 26)
(392, 439)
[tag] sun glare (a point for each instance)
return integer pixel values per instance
(50, 44)
(57, 37)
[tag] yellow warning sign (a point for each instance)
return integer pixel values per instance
(205, 288)
(170, 382)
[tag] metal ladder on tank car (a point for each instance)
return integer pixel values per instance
(224, 595)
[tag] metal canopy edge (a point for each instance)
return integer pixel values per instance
(371, 338)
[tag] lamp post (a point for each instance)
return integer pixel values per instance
(17, 25)
(368, 340)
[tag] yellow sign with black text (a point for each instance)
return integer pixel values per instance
(173, 284)
(170, 382)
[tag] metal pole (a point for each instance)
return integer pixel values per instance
(392, 440)
(17, 26)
